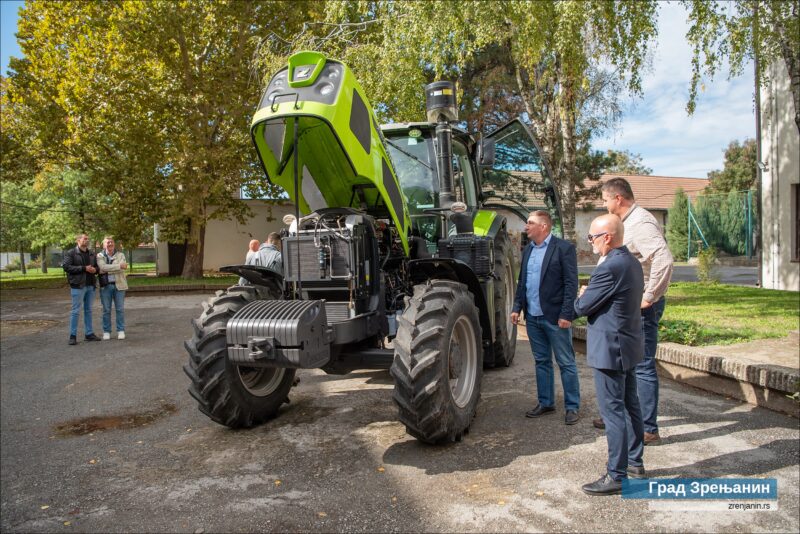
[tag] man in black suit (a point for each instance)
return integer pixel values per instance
(548, 283)
(614, 346)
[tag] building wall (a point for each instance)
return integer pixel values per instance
(780, 152)
(227, 240)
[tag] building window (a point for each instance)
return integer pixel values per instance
(796, 220)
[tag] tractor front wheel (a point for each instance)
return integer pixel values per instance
(231, 395)
(437, 362)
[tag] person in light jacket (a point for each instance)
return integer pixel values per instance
(113, 284)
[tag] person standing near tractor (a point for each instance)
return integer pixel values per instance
(645, 240)
(614, 347)
(113, 285)
(269, 254)
(80, 264)
(252, 251)
(547, 287)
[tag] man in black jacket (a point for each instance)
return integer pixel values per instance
(80, 264)
(548, 284)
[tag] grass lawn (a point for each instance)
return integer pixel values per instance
(720, 314)
(58, 272)
(55, 278)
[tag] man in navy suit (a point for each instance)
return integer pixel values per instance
(548, 284)
(615, 345)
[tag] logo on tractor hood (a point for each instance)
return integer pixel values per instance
(302, 72)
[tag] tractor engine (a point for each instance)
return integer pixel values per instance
(332, 255)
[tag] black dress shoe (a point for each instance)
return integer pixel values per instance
(598, 423)
(605, 485)
(92, 337)
(571, 418)
(539, 410)
(73, 340)
(636, 471)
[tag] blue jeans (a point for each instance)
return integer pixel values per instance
(619, 407)
(108, 294)
(85, 296)
(646, 375)
(548, 340)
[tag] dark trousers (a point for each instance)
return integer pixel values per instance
(646, 375)
(619, 407)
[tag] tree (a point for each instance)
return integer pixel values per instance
(739, 32)
(626, 162)
(677, 226)
(17, 216)
(539, 58)
(739, 172)
(155, 99)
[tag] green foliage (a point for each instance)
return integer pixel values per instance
(739, 171)
(155, 100)
(545, 59)
(677, 229)
(735, 33)
(706, 259)
(626, 162)
(723, 219)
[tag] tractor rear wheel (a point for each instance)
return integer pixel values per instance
(234, 396)
(505, 331)
(437, 362)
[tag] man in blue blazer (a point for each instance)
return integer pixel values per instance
(548, 284)
(614, 346)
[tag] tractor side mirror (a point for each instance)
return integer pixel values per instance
(486, 152)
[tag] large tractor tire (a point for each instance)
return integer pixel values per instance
(438, 362)
(234, 396)
(505, 332)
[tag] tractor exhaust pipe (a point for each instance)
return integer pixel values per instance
(440, 100)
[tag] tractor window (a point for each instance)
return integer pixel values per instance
(414, 160)
(520, 178)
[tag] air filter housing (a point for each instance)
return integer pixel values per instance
(440, 102)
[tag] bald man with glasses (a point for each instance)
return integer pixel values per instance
(614, 346)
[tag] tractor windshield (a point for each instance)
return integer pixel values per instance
(414, 159)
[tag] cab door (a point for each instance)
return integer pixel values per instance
(519, 180)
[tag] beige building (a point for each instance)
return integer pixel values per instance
(227, 240)
(780, 184)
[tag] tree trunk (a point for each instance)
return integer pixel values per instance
(195, 250)
(44, 259)
(568, 171)
(22, 258)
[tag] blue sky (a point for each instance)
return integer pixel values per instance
(655, 126)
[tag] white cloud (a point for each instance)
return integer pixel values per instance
(657, 126)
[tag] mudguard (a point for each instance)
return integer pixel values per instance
(429, 268)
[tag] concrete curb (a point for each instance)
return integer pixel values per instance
(767, 376)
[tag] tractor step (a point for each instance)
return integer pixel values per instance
(280, 333)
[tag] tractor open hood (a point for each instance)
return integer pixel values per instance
(340, 157)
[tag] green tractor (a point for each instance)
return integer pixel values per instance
(393, 259)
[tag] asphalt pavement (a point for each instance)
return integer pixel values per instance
(103, 437)
(742, 276)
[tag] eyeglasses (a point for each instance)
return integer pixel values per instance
(591, 237)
